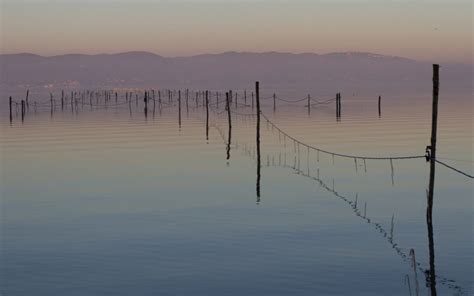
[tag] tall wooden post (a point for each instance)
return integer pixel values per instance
(245, 97)
(207, 115)
(380, 110)
(145, 100)
(62, 100)
(274, 102)
(227, 97)
(179, 107)
(27, 101)
(432, 150)
(22, 110)
(257, 95)
(10, 104)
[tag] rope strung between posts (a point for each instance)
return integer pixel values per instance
(339, 154)
(291, 101)
(454, 169)
(323, 102)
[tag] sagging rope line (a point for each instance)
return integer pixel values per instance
(290, 101)
(339, 154)
(316, 102)
(454, 169)
(323, 102)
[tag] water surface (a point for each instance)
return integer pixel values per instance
(106, 201)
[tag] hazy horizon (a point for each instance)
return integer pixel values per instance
(418, 30)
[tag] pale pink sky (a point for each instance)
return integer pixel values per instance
(436, 30)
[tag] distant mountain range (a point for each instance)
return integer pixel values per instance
(331, 72)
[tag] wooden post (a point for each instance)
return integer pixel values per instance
(257, 94)
(252, 101)
(62, 100)
(217, 99)
(227, 97)
(380, 113)
(274, 103)
(245, 97)
(207, 115)
(27, 101)
(236, 94)
(22, 110)
(145, 100)
(179, 107)
(10, 103)
(432, 158)
(434, 117)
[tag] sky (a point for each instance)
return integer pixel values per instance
(429, 30)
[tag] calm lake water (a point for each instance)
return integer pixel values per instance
(103, 201)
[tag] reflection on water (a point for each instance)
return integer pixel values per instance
(117, 201)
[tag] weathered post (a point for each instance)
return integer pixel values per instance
(207, 115)
(380, 113)
(236, 95)
(179, 107)
(217, 99)
(252, 101)
(432, 159)
(257, 94)
(27, 101)
(62, 100)
(10, 103)
(227, 106)
(145, 100)
(245, 97)
(22, 110)
(274, 103)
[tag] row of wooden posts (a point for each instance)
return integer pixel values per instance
(80, 99)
